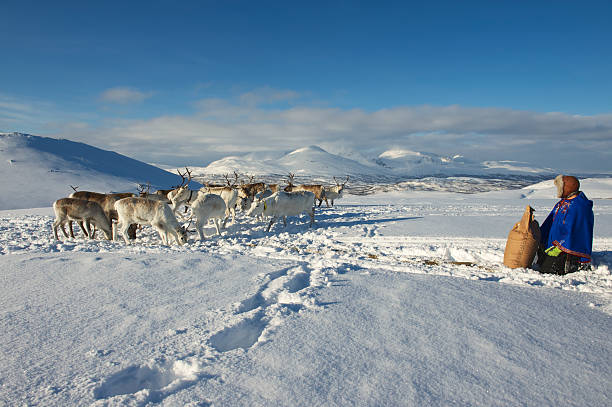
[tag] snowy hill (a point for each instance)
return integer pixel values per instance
(412, 163)
(310, 161)
(38, 170)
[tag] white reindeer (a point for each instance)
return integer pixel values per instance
(148, 212)
(208, 206)
(247, 204)
(181, 194)
(332, 193)
(84, 212)
(229, 195)
(284, 204)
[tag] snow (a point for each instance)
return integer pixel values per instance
(38, 170)
(396, 298)
(375, 305)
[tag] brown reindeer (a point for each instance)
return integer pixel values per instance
(247, 192)
(84, 212)
(107, 202)
(317, 190)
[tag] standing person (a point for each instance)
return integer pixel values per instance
(567, 233)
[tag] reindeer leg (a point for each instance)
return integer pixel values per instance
(82, 226)
(320, 202)
(56, 224)
(92, 230)
(132, 231)
(217, 222)
(124, 232)
(285, 221)
(200, 229)
(162, 233)
(175, 235)
(64, 230)
(327, 203)
(70, 229)
(271, 222)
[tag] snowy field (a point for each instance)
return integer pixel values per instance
(391, 299)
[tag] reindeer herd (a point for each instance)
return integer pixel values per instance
(214, 203)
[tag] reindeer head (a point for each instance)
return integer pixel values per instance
(340, 186)
(143, 189)
(183, 235)
(257, 207)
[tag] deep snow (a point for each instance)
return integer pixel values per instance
(374, 306)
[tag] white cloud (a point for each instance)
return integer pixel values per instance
(219, 129)
(124, 95)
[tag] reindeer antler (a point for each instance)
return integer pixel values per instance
(182, 175)
(74, 188)
(143, 189)
(290, 179)
(230, 183)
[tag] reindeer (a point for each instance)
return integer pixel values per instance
(317, 190)
(107, 202)
(229, 194)
(145, 211)
(247, 192)
(88, 212)
(283, 204)
(206, 207)
(333, 193)
(181, 194)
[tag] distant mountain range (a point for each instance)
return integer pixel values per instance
(391, 164)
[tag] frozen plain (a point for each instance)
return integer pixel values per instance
(392, 299)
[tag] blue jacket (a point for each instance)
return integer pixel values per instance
(569, 226)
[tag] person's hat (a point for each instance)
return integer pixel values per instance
(566, 185)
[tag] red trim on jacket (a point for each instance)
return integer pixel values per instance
(573, 253)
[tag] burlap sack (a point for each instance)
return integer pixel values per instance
(523, 241)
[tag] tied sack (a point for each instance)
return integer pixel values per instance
(523, 241)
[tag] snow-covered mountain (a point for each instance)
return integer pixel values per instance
(391, 164)
(38, 170)
(306, 161)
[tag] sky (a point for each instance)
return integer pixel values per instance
(181, 83)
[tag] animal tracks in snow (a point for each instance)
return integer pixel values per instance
(149, 383)
(248, 323)
(279, 293)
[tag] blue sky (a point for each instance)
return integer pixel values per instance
(109, 73)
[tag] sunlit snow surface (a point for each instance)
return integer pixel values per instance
(391, 299)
